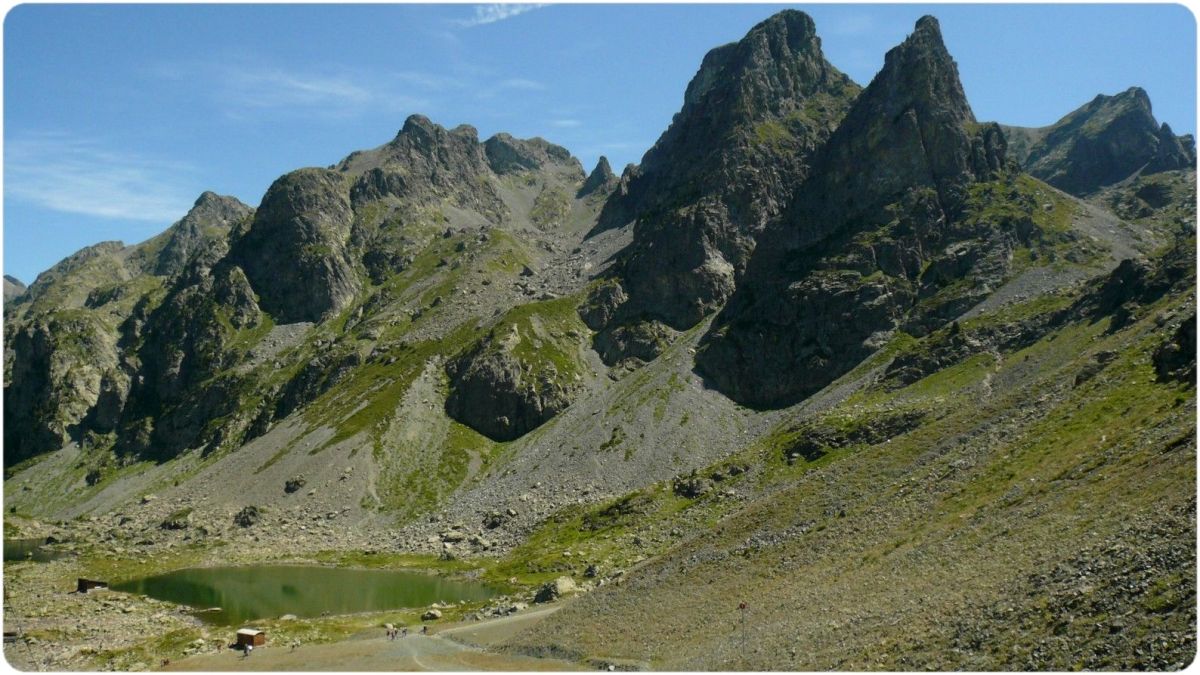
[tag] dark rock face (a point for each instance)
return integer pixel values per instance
(751, 118)
(295, 252)
(185, 344)
(71, 367)
(844, 264)
(1104, 142)
(914, 123)
(1133, 284)
(1176, 358)
(314, 379)
(185, 339)
(58, 365)
(202, 236)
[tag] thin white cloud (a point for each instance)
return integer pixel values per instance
(245, 91)
(270, 88)
(485, 14)
(510, 84)
(520, 83)
(566, 124)
(331, 95)
(68, 175)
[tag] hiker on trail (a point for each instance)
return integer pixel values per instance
(246, 653)
(405, 632)
(424, 630)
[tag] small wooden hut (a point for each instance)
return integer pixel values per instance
(252, 637)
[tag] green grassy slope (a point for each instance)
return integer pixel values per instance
(1041, 515)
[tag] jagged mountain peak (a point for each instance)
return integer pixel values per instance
(929, 25)
(13, 287)
(1134, 95)
(897, 172)
(202, 235)
(768, 72)
(600, 179)
(786, 36)
(418, 126)
(1103, 142)
(752, 118)
(920, 73)
(210, 204)
(914, 120)
(603, 169)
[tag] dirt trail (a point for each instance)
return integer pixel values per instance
(415, 652)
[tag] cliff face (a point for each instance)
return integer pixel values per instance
(751, 119)
(861, 242)
(296, 252)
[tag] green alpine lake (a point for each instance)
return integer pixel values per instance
(29, 549)
(252, 592)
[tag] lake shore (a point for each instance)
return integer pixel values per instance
(60, 629)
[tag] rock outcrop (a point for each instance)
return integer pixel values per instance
(1103, 142)
(295, 253)
(13, 288)
(58, 364)
(506, 154)
(600, 181)
(494, 395)
(424, 165)
(525, 371)
(202, 236)
(845, 263)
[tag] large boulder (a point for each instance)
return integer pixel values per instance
(553, 590)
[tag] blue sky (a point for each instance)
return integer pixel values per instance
(117, 117)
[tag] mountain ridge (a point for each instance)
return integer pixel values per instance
(739, 364)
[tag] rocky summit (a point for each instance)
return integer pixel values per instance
(917, 388)
(1102, 143)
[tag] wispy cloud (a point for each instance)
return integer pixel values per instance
(246, 90)
(69, 175)
(271, 87)
(331, 95)
(492, 13)
(566, 124)
(510, 84)
(520, 83)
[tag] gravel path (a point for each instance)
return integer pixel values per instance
(415, 652)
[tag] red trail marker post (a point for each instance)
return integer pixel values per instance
(742, 608)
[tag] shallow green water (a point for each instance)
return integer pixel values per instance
(28, 549)
(269, 591)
